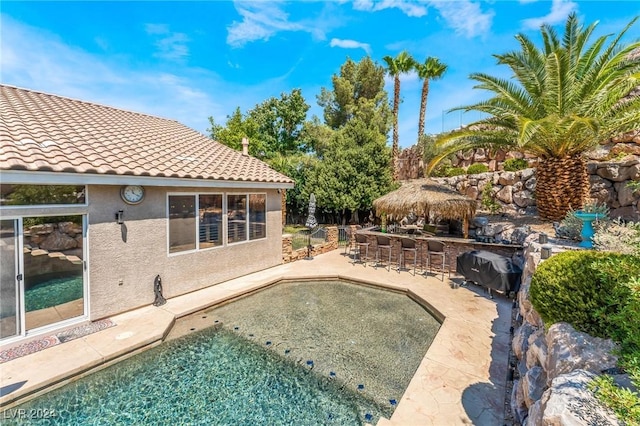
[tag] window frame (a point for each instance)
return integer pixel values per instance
(224, 223)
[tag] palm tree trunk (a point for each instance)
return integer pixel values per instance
(562, 184)
(395, 152)
(423, 107)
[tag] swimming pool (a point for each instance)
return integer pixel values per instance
(222, 374)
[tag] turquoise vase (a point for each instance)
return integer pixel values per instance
(587, 227)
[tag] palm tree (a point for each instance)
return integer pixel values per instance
(562, 100)
(401, 64)
(431, 69)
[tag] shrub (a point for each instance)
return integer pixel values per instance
(515, 164)
(619, 236)
(570, 227)
(474, 169)
(587, 289)
(488, 200)
(455, 171)
(622, 401)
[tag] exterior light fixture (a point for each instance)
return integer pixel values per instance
(546, 251)
(120, 217)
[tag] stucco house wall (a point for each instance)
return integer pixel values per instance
(135, 252)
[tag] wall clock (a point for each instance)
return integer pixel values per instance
(132, 194)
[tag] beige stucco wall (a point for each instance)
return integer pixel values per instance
(137, 251)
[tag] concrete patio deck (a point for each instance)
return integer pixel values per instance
(461, 380)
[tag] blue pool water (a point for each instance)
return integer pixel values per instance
(296, 353)
(210, 377)
(52, 292)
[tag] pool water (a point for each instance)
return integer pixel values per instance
(52, 292)
(210, 377)
(371, 340)
(297, 353)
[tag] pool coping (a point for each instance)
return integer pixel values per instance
(457, 382)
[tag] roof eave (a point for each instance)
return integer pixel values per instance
(59, 178)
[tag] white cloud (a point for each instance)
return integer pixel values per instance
(170, 45)
(408, 7)
(31, 59)
(350, 44)
(465, 17)
(560, 9)
(260, 20)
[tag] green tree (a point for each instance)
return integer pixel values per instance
(279, 123)
(353, 167)
(401, 64)
(357, 90)
(431, 69)
(562, 100)
(353, 171)
(236, 128)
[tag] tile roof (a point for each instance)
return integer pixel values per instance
(43, 132)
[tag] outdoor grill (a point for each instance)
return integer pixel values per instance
(489, 270)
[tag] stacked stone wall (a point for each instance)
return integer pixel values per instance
(291, 255)
(553, 367)
(411, 163)
(514, 191)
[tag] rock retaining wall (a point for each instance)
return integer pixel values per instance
(291, 255)
(514, 191)
(552, 368)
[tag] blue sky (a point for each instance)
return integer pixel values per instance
(191, 60)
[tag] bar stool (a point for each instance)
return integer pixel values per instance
(361, 242)
(350, 243)
(384, 243)
(408, 245)
(436, 248)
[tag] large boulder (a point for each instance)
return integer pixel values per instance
(520, 342)
(568, 401)
(537, 352)
(57, 241)
(570, 350)
(534, 384)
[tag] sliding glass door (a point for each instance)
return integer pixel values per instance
(10, 279)
(43, 272)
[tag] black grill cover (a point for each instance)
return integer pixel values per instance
(489, 270)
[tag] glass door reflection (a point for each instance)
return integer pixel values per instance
(53, 269)
(9, 283)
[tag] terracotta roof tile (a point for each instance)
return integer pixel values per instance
(43, 132)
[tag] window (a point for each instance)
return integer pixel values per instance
(210, 227)
(30, 195)
(257, 216)
(197, 221)
(182, 223)
(236, 218)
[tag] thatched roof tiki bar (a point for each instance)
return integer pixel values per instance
(428, 198)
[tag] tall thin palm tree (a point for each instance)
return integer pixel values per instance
(431, 69)
(562, 100)
(401, 64)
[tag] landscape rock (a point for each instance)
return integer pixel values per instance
(568, 401)
(537, 352)
(58, 241)
(534, 384)
(520, 342)
(505, 194)
(518, 406)
(570, 350)
(613, 171)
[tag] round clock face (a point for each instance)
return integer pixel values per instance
(132, 194)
